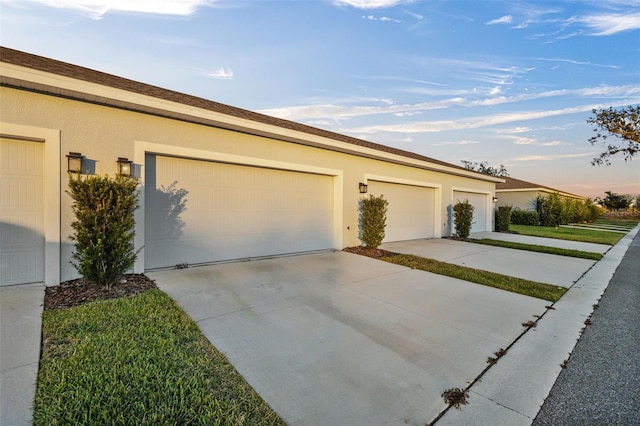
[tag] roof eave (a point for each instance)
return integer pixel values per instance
(22, 77)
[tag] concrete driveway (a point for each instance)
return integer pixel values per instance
(337, 338)
(546, 268)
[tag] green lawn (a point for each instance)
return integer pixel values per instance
(491, 279)
(540, 249)
(624, 223)
(620, 224)
(573, 234)
(138, 361)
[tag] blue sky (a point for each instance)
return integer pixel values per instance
(509, 83)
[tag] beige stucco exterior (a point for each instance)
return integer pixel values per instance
(104, 133)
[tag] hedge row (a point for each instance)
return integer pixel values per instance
(554, 210)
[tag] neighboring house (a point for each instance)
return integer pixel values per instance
(217, 183)
(519, 193)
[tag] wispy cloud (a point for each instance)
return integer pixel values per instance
(487, 72)
(533, 11)
(405, 80)
(414, 15)
(96, 9)
(370, 4)
(222, 73)
(386, 106)
(473, 122)
(625, 18)
(515, 130)
(574, 62)
(381, 19)
(462, 142)
(609, 24)
(506, 19)
(523, 141)
(552, 156)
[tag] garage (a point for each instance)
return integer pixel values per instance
(21, 212)
(411, 211)
(479, 202)
(203, 211)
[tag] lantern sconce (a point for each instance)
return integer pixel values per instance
(74, 162)
(125, 166)
(363, 187)
(495, 199)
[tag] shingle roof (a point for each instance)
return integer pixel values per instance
(48, 65)
(513, 184)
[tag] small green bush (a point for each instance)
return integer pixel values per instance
(373, 220)
(594, 210)
(463, 218)
(524, 217)
(503, 218)
(538, 205)
(104, 226)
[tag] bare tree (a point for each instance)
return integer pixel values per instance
(618, 130)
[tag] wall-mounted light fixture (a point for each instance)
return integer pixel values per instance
(74, 162)
(125, 166)
(363, 187)
(495, 199)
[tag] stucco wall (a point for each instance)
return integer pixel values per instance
(102, 134)
(517, 199)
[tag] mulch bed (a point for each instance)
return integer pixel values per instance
(80, 291)
(369, 252)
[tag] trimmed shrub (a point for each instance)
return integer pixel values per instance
(463, 218)
(503, 218)
(104, 226)
(373, 220)
(524, 217)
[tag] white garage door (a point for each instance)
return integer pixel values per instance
(201, 211)
(21, 212)
(479, 202)
(411, 210)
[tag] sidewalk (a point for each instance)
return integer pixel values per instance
(513, 390)
(20, 325)
(601, 384)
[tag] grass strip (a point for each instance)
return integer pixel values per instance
(539, 249)
(571, 234)
(504, 282)
(601, 226)
(629, 223)
(138, 361)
